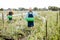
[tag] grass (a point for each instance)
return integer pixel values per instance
(15, 28)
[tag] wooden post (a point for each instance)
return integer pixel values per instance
(46, 30)
(59, 24)
(3, 19)
(57, 19)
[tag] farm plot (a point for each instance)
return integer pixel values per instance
(18, 29)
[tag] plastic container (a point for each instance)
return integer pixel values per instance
(30, 19)
(9, 16)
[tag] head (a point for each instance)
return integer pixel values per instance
(30, 9)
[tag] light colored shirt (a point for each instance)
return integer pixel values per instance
(35, 14)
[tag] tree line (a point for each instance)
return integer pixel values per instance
(52, 8)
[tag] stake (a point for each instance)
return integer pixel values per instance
(3, 19)
(46, 30)
(59, 25)
(57, 18)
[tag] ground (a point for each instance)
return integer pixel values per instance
(19, 27)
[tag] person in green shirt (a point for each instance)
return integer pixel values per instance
(9, 15)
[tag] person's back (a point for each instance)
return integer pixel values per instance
(31, 22)
(9, 15)
(30, 16)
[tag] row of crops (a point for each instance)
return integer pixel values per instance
(18, 30)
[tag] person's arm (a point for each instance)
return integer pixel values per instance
(43, 19)
(26, 15)
(7, 13)
(39, 16)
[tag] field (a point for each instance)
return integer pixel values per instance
(18, 29)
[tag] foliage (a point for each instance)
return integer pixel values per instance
(19, 29)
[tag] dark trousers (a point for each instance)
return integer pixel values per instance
(30, 23)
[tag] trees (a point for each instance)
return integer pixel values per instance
(53, 8)
(35, 8)
(21, 9)
(44, 9)
(1, 9)
(15, 9)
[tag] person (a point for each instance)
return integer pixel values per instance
(9, 15)
(30, 17)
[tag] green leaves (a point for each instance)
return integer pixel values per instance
(20, 27)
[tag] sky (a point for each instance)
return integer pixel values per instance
(28, 3)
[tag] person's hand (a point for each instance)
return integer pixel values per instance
(43, 19)
(7, 14)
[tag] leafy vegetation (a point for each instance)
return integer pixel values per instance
(18, 28)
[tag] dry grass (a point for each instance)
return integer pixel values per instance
(39, 30)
